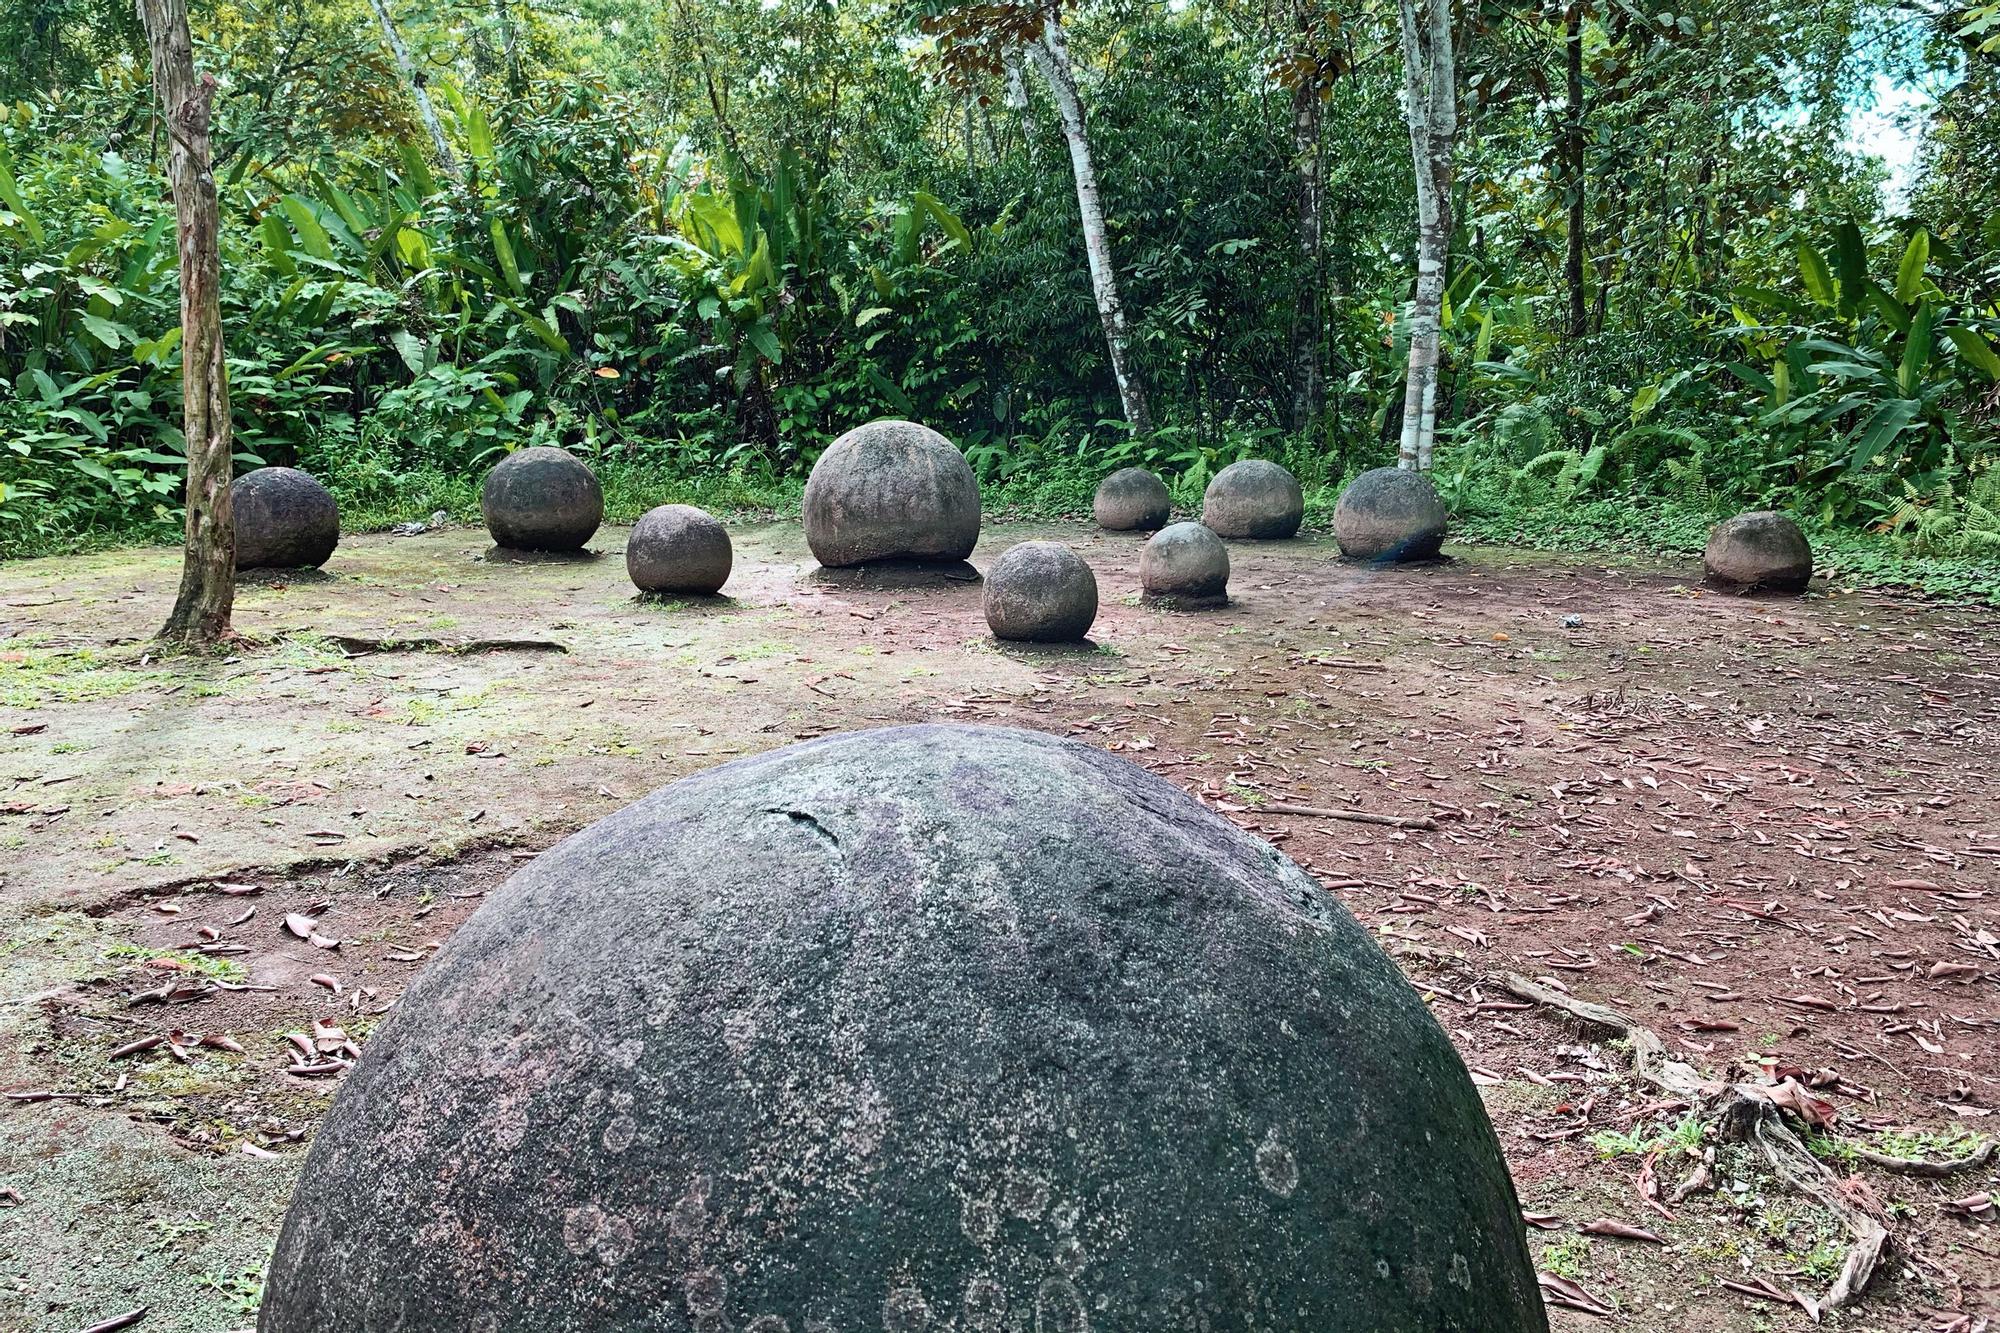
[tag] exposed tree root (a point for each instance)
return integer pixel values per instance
(355, 646)
(1351, 816)
(1747, 1114)
(1913, 1166)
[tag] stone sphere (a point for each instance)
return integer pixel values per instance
(1041, 592)
(1254, 498)
(1185, 564)
(1761, 551)
(542, 499)
(891, 490)
(1388, 513)
(925, 1028)
(1131, 500)
(678, 548)
(284, 519)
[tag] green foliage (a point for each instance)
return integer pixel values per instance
(696, 242)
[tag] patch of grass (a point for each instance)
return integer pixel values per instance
(1245, 795)
(172, 1230)
(216, 969)
(1640, 1140)
(1568, 1257)
(1823, 1262)
(1925, 1145)
(1648, 525)
(31, 677)
(306, 650)
(242, 1293)
(1828, 1148)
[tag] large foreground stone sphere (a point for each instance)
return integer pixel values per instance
(932, 1028)
(891, 490)
(542, 499)
(678, 548)
(1761, 551)
(1041, 592)
(1253, 498)
(1389, 513)
(284, 519)
(1131, 500)
(1185, 564)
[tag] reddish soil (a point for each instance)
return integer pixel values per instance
(1766, 829)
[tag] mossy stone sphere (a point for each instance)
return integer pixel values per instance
(1185, 564)
(1131, 500)
(891, 490)
(1255, 498)
(678, 549)
(1040, 592)
(542, 499)
(284, 519)
(1389, 514)
(1760, 551)
(918, 1029)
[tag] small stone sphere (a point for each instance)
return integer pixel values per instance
(542, 499)
(678, 548)
(1388, 514)
(891, 490)
(1131, 500)
(284, 519)
(1040, 592)
(930, 1028)
(1760, 551)
(1185, 564)
(1254, 498)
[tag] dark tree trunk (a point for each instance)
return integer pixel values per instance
(208, 564)
(1309, 315)
(1574, 167)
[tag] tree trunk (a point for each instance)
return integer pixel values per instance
(1051, 55)
(1430, 87)
(415, 78)
(510, 45)
(1309, 315)
(1573, 166)
(208, 562)
(1017, 98)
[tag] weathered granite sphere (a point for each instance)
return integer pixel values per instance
(1760, 551)
(1131, 499)
(1389, 513)
(1253, 498)
(1185, 564)
(284, 519)
(542, 499)
(891, 490)
(678, 548)
(929, 1028)
(1040, 592)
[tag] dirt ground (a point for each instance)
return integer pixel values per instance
(1766, 829)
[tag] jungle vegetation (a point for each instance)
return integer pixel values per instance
(694, 240)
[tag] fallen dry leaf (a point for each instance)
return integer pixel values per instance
(1561, 1291)
(1605, 1226)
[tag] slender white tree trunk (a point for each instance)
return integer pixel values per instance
(1430, 91)
(415, 78)
(1051, 56)
(1017, 99)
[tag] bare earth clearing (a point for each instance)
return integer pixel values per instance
(1765, 829)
